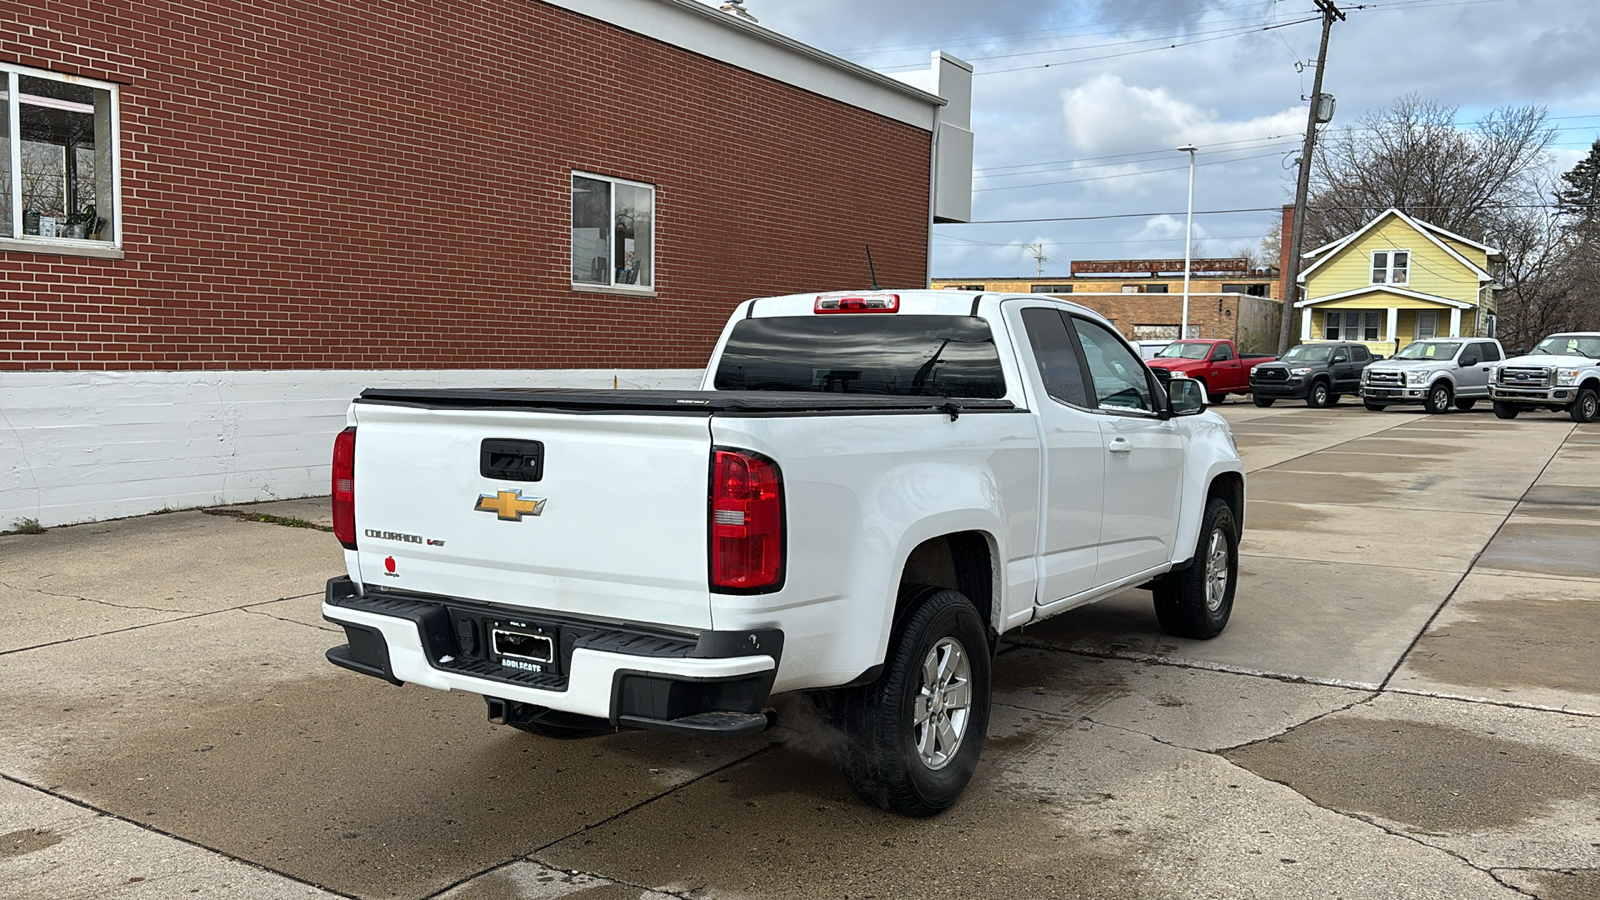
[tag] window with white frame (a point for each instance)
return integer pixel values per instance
(1391, 267)
(613, 232)
(58, 157)
(1427, 324)
(1352, 325)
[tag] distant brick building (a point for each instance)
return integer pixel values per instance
(264, 206)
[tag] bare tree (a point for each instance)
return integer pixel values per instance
(1413, 156)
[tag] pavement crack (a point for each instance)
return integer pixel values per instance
(1316, 718)
(257, 612)
(44, 593)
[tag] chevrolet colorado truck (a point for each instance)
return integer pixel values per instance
(867, 493)
(1316, 373)
(1436, 372)
(1218, 365)
(1562, 374)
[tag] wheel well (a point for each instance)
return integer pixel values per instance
(963, 561)
(1592, 384)
(1230, 487)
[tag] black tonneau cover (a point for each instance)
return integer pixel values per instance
(702, 403)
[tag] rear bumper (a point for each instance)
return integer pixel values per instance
(629, 676)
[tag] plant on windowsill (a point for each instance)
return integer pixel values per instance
(84, 223)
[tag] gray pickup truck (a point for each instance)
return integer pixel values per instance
(1316, 373)
(1437, 373)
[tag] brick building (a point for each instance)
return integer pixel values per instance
(226, 218)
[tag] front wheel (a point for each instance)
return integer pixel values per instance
(1586, 407)
(1317, 396)
(1373, 406)
(1439, 397)
(1264, 401)
(913, 737)
(1503, 410)
(1197, 601)
(1466, 404)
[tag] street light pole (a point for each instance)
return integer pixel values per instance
(1188, 242)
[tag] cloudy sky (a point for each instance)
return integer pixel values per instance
(1079, 104)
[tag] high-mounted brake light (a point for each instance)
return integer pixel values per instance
(344, 488)
(746, 522)
(864, 303)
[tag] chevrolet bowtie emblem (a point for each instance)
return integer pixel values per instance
(509, 505)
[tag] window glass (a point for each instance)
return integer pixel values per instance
(1053, 351)
(1330, 327)
(1307, 353)
(591, 208)
(1118, 378)
(1050, 289)
(1488, 352)
(1360, 353)
(1380, 267)
(1372, 330)
(5, 156)
(634, 229)
(1400, 274)
(944, 356)
(1155, 289)
(1179, 349)
(613, 232)
(1427, 324)
(1223, 354)
(66, 164)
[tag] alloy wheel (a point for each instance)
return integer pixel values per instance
(1216, 570)
(943, 704)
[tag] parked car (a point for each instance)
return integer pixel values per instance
(1217, 364)
(1150, 348)
(1436, 372)
(1317, 373)
(1562, 374)
(868, 491)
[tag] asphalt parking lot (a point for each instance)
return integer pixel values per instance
(1406, 704)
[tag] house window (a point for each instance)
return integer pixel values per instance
(58, 158)
(1352, 325)
(1252, 290)
(1391, 267)
(613, 232)
(1050, 289)
(1155, 289)
(963, 287)
(1427, 324)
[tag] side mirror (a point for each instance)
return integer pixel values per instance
(1340, 357)
(1469, 360)
(1185, 397)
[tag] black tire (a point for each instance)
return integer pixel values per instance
(1317, 395)
(1440, 396)
(1264, 401)
(1373, 406)
(1587, 407)
(1333, 399)
(1217, 398)
(1197, 601)
(1503, 410)
(1466, 404)
(881, 757)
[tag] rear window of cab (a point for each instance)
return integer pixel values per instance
(898, 356)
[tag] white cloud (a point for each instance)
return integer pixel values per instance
(1105, 115)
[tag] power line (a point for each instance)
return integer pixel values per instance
(1173, 46)
(1034, 184)
(1071, 163)
(1101, 218)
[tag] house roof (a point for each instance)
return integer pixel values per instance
(1430, 232)
(1387, 289)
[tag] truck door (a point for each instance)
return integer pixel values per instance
(1225, 373)
(1143, 456)
(1072, 485)
(1476, 361)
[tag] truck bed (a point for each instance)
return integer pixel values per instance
(694, 403)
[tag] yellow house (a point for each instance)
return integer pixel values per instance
(1396, 280)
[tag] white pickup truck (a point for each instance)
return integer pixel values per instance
(867, 493)
(1561, 374)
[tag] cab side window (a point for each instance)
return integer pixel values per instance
(1057, 360)
(1360, 353)
(1222, 354)
(1488, 352)
(1117, 379)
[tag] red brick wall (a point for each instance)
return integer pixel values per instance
(362, 184)
(1128, 310)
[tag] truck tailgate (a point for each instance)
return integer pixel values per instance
(613, 528)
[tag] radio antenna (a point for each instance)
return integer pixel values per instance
(871, 268)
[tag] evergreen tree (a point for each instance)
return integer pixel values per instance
(1579, 201)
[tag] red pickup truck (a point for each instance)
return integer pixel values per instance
(1216, 364)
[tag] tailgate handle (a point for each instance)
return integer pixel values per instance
(504, 459)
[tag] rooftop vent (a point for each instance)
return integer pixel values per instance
(736, 8)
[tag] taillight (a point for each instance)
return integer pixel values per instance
(863, 303)
(344, 488)
(746, 522)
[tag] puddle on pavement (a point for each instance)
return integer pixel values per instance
(1583, 884)
(1342, 461)
(1532, 643)
(346, 782)
(1544, 548)
(1561, 501)
(1307, 487)
(1434, 778)
(792, 814)
(28, 840)
(1271, 515)
(1403, 447)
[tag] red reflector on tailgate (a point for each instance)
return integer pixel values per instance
(861, 303)
(746, 522)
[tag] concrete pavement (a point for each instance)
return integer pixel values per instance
(1405, 705)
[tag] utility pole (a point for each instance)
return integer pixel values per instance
(1296, 238)
(1037, 252)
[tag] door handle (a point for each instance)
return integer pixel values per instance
(1119, 445)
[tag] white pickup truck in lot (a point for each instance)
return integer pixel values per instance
(868, 492)
(1561, 374)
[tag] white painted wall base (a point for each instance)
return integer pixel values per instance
(82, 446)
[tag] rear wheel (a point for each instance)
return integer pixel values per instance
(1373, 406)
(1503, 410)
(1466, 404)
(1586, 407)
(913, 737)
(1264, 401)
(1196, 602)
(1439, 397)
(1317, 397)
